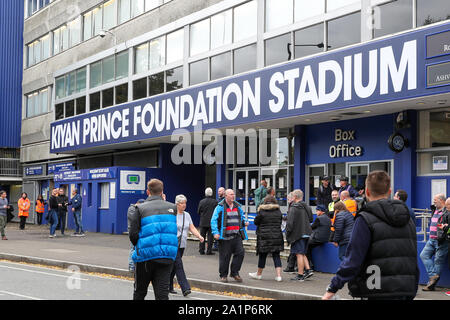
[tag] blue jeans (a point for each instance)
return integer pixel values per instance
(432, 248)
(53, 220)
(178, 270)
(78, 224)
(342, 249)
(131, 265)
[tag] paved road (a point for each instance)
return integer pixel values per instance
(28, 282)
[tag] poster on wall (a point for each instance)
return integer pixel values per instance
(438, 186)
(440, 163)
(112, 190)
(132, 182)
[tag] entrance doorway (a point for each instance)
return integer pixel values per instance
(356, 172)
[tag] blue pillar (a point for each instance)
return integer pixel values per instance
(300, 157)
(220, 177)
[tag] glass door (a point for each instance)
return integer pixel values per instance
(358, 174)
(315, 173)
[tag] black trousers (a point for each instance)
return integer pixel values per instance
(178, 270)
(292, 261)
(158, 274)
(22, 222)
(228, 248)
(311, 245)
(206, 233)
(61, 221)
(39, 218)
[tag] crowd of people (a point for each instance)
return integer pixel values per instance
(376, 232)
(56, 214)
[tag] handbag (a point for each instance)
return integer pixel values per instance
(181, 234)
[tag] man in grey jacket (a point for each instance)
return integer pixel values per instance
(298, 231)
(3, 213)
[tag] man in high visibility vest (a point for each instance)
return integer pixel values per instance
(335, 198)
(24, 209)
(351, 204)
(40, 208)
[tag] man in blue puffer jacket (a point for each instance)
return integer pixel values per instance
(153, 232)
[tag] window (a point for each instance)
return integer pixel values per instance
(44, 100)
(139, 89)
(309, 37)
(75, 32)
(70, 108)
(245, 23)
(108, 97)
(156, 84)
(395, 17)
(81, 80)
(198, 72)
(137, 7)
(341, 31)
(174, 79)
(244, 59)
(71, 83)
(108, 69)
(81, 105)
(221, 66)
(97, 20)
(56, 43)
(274, 49)
(64, 38)
(122, 93)
(37, 52)
(157, 52)
(45, 41)
(122, 65)
(30, 61)
(124, 10)
(278, 13)
(94, 101)
(151, 4)
(31, 101)
(429, 12)
(109, 14)
(96, 74)
(175, 45)
(104, 191)
(59, 87)
(59, 111)
(221, 26)
(304, 9)
(87, 26)
(336, 4)
(141, 58)
(199, 37)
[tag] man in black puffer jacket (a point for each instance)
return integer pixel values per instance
(205, 210)
(381, 258)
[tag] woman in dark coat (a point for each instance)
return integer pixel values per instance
(343, 225)
(269, 236)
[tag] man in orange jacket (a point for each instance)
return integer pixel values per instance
(351, 204)
(24, 209)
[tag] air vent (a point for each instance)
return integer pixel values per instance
(351, 113)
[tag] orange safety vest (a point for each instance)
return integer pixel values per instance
(24, 207)
(351, 206)
(40, 207)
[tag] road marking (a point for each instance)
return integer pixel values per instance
(59, 250)
(20, 295)
(40, 272)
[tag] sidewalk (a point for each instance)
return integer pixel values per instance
(106, 253)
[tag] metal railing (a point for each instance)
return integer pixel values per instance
(10, 167)
(425, 217)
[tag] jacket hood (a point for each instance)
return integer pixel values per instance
(393, 212)
(268, 207)
(299, 204)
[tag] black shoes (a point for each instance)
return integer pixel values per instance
(210, 253)
(172, 291)
(299, 277)
(186, 293)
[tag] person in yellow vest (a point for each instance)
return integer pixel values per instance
(351, 204)
(40, 208)
(335, 198)
(24, 209)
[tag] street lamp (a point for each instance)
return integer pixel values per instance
(319, 45)
(103, 33)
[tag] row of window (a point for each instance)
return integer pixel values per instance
(35, 5)
(38, 102)
(104, 17)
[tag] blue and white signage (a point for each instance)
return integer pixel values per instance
(34, 171)
(132, 182)
(101, 173)
(60, 167)
(69, 176)
(379, 71)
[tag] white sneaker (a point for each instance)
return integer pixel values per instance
(279, 279)
(254, 275)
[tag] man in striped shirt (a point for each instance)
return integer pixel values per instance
(227, 226)
(434, 247)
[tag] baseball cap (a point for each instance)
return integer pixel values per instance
(326, 178)
(321, 208)
(344, 179)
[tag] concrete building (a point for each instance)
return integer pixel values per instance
(11, 52)
(344, 81)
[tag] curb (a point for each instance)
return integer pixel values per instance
(197, 283)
